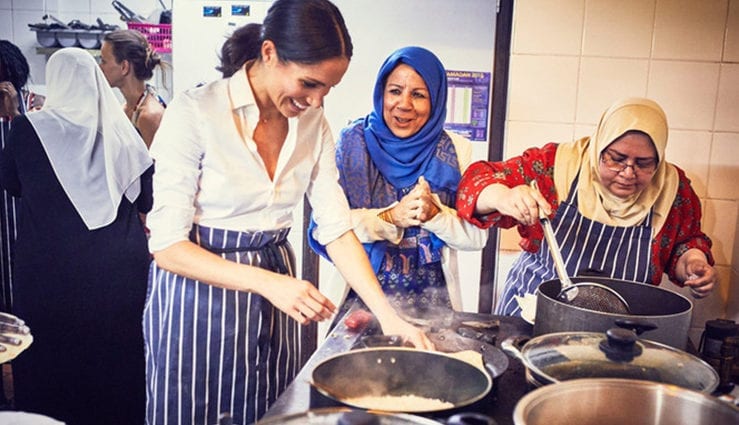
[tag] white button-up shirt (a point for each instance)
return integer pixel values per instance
(209, 173)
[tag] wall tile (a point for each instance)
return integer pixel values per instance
(605, 80)
(690, 150)
(618, 28)
(548, 26)
(704, 309)
(6, 26)
(25, 39)
(6, 4)
(686, 91)
(719, 223)
(727, 106)
(524, 134)
(83, 6)
(731, 46)
(509, 239)
(582, 130)
(27, 4)
(724, 166)
(542, 88)
(689, 29)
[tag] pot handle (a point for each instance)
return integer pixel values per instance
(512, 346)
(636, 325)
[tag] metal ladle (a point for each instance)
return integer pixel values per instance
(589, 295)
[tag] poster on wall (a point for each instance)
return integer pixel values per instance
(468, 101)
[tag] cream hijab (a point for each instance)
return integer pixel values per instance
(95, 152)
(583, 156)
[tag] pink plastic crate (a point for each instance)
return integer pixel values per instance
(159, 36)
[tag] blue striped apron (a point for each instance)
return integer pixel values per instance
(611, 251)
(211, 350)
(9, 208)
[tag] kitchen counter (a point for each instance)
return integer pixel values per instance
(508, 388)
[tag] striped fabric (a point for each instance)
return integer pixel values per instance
(616, 252)
(211, 350)
(8, 227)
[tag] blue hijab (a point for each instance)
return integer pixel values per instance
(403, 161)
(429, 153)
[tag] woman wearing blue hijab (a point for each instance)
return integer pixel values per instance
(400, 169)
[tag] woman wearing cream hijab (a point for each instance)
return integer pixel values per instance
(618, 208)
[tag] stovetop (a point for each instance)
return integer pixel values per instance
(460, 331)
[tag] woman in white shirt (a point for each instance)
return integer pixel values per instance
(233, 159)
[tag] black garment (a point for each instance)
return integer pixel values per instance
(81, 292)
(8, 215)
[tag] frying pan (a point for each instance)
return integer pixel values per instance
(401, 371)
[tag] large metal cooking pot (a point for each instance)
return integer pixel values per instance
(621, 401)
(397, 372)
(670, 311)
(618, 353)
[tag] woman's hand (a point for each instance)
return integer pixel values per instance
(299, 299)
(395, 325)
(427, 208)
(698, 274)
(9, 106)
(416, 207)
(520, 202)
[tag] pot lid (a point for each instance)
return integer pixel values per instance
(616, 354)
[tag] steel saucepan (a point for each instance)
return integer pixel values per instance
(621, 401)
(367, 378)
(669, 311)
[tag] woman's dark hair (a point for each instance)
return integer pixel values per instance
(303, 31)
(132, 46)
(13, 65)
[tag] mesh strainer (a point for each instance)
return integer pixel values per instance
(588, 295)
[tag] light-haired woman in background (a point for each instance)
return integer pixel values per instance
(128, 62)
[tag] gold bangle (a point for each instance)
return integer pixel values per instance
(386, 216)
(434, 210)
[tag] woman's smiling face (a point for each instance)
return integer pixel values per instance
(406, 102)
(299, 86)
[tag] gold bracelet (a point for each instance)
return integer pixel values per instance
(434, 210)
(386, 216)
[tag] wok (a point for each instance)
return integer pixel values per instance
(399, 371)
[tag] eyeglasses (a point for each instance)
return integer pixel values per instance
(617, 163)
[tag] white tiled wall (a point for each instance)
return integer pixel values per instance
(573, 58)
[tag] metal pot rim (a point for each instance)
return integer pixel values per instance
(538, 374)
(562, 389)
(596, 279)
